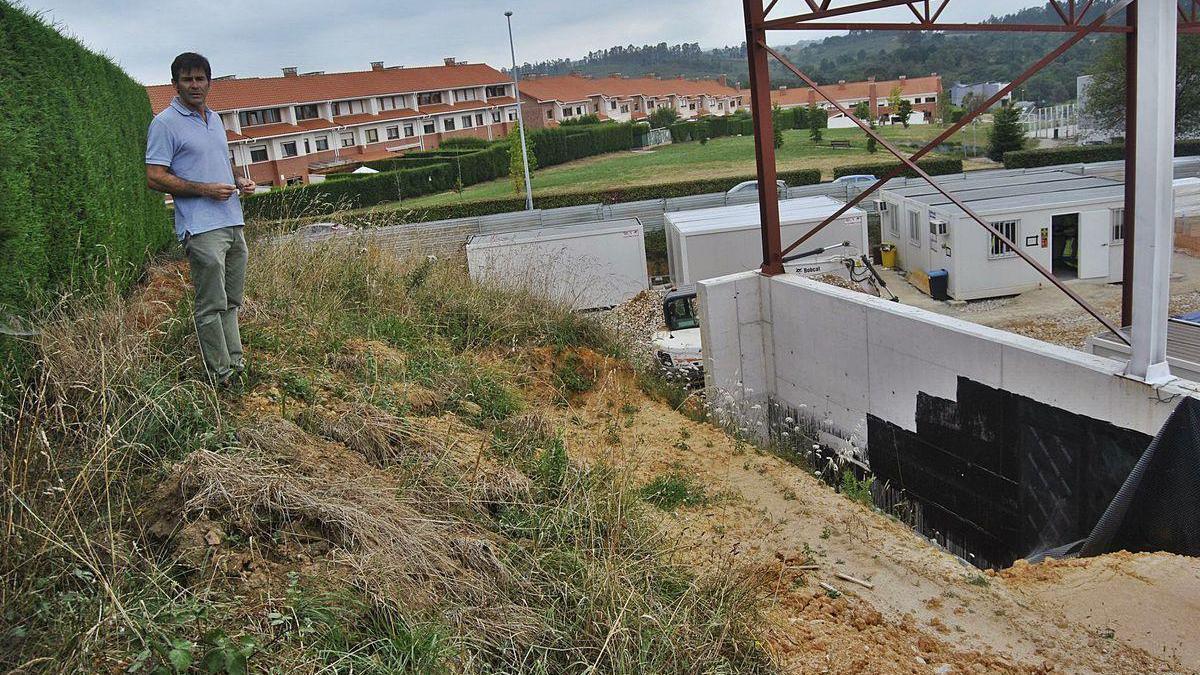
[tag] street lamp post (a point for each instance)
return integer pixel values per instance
(520, 117)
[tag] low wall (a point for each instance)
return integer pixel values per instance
(1014, 444)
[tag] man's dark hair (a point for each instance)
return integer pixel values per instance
(189, 61)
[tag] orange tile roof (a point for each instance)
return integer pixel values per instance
(573, 88)
(854, 91)
(263, 92)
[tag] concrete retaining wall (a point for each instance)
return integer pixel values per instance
(843, 355)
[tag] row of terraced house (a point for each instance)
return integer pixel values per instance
(284, 129)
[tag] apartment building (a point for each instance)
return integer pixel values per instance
(922, 92)
(282, 129)
(549, 101)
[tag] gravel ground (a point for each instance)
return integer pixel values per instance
(635, 322)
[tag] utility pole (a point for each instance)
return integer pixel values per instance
(520, 117)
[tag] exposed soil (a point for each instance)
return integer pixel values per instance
(926, 611)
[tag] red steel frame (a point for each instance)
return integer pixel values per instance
(928, 13)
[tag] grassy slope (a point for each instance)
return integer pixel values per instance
(390, 495)
(720, 157)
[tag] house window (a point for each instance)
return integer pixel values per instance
(578, 110)
(497, 90)
(307, 147)
(408, 131)
(448, 123)
(307, 112)
(252, 118)
(495, 117)
(258, 153)
(372, 135)
(346, 107)
(478, 119)
(637, 105)
(464, 95)
(625, 108)
(289, 149)
(550, 114)
(998, 248)
(512, 115)
(692, 106)
(914, 227)
(893, 223)
(429, 127)
(391, 102)
(429, 98)
(1118, 225)
(466, 120)
(612, 105)
(595, 107)
(568, 112)
(393, 133)
(322, 143)
(348, 139)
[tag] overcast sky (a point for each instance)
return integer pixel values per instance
(260, 36)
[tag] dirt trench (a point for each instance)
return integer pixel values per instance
(925, 610)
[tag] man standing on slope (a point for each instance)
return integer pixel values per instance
(187, 157)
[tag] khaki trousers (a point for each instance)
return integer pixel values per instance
(218, 268)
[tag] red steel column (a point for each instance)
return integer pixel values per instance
(1130, 167)
(764, 138)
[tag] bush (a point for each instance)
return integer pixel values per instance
(582, 120)
(938, 166)
(1083, 154)
(74, 207)
(468, 142)
(336, 195)
(564, 144)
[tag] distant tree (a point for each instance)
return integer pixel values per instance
(1105, 105)
(814, 123)
(894, 99)
(862, 110)
(872, 144)
(904, 112)
(971, 101)
(777, 123)
(943, 106)
(663, 117)
(516, 164)
(1006, 134)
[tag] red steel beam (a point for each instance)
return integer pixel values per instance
(948, 27)
(1081, 33)
(764, 138)
(946, 193)
(824, 12)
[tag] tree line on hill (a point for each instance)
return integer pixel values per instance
(966, 57)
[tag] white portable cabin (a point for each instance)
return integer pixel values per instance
(1070, 223)
(587, 266)
(707, 243)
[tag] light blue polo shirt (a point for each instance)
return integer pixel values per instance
(195, 149)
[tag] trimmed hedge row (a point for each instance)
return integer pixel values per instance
(334, 195)
(735, 125)
(74, 207)
(937, 166)
(613, 196)
(1082, 154)
(421, 173)
(564, 144)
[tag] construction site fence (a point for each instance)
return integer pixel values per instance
(449, 236)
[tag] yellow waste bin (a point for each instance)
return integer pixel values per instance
(887, 255)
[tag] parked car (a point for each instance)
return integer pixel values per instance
(861, 180)
(751, 187)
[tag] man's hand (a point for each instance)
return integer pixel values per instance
(217, 191)
(246, 186)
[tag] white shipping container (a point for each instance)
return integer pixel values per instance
(587, 266)
(708, 243)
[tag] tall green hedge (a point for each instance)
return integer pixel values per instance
(335, 195)
(1082, 154)
(937, 166)
(74, 207)
(559, 145)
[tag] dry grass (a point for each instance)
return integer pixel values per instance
(327, 520)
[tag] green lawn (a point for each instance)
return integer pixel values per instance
(719, 158)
